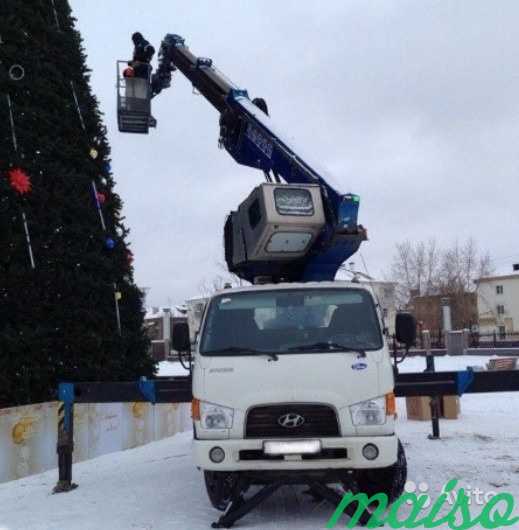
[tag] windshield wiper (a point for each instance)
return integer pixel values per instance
(244, 350)
(330, 346)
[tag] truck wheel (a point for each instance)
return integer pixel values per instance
(220, 486)
(389, 480)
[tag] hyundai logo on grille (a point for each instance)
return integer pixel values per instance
(291, 420)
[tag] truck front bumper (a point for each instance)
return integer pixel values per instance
(337, 453)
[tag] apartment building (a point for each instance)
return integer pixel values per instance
(498, 304)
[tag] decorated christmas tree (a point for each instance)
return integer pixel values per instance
(69, 309)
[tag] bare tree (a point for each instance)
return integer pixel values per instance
(220, 280)
(416, 269)
(423, 268)
(461, 265)
(485, 265)
(432, 266)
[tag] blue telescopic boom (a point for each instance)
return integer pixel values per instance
(250, 136)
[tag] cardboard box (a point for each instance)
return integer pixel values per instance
(502, 363)
(450, 407)
(419, 408)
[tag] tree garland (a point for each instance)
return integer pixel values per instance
(19, 181)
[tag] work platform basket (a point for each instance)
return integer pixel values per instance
(133, 101)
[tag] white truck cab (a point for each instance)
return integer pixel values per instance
(292, 380)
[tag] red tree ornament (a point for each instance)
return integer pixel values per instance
(129, 256)
(19, 180)
(101, 197)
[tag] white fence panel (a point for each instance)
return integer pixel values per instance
(28, 433)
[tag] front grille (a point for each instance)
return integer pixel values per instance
(319, 421)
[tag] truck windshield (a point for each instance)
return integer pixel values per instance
(291, 321)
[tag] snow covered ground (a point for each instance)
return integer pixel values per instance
(171, 368)
(156, 487)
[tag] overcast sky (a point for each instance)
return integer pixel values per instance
(412, 105)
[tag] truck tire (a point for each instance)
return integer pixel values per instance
(220, 486)
(389, 480)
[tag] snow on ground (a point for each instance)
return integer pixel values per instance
(156, 487)
(171, 368)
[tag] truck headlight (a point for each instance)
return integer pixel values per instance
(214, 416)
(370, 412)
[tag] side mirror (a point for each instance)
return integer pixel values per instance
(405, 327)
(180, 337)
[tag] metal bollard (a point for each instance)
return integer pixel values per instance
(435, 400)
(65, 446)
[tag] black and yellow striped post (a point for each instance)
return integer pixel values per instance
(65, 445)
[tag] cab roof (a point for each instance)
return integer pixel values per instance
(293, 285)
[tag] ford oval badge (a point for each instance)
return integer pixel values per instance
(359, 366)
